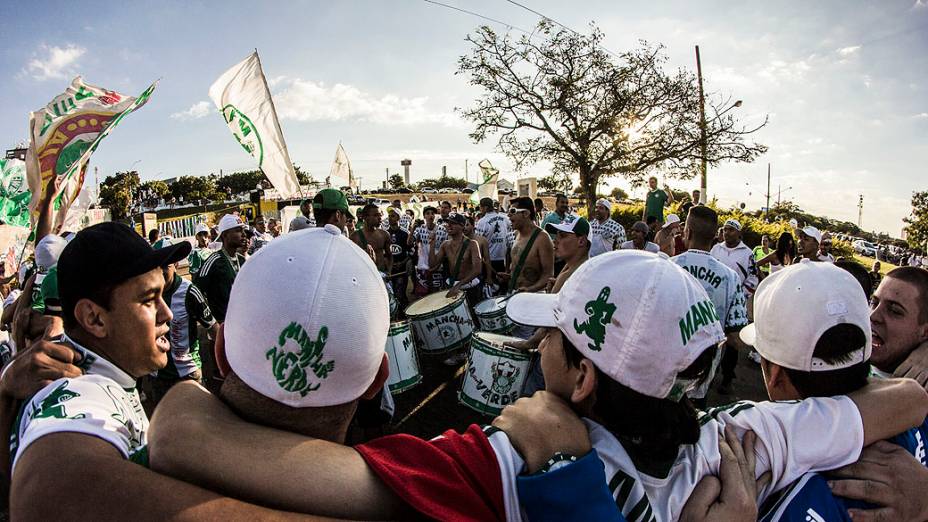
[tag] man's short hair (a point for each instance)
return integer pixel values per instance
(835, 346)
(917, 277)
(652, 177)
(486, 203)
(525, 203)
(702, 222)
(539, 203)
(367, 209)
(560, 196)
(445, 202)
(324, 215)
(153, 235)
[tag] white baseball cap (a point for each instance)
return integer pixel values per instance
(640, 318)
(228, 222)
(308, 319)
(812, 232)
(603, 202)
(793, 223)
(671, 219)
(733, 223)
(201, 227)
(794, 306)
(47, 252)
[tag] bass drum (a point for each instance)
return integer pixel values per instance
(440, 324)
(494, 375)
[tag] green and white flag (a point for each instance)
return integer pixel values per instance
(14, 193)
(243, 98)
(64, 134)
(340, 173)
(487, 189)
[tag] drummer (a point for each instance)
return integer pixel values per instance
(532, 258)
(426, 236)
(374, 240)
(470, 232)
(461, 259)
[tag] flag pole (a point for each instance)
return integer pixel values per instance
(277, 122)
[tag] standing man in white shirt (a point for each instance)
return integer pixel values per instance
(734, 254)
(496, 228)
(605, 233)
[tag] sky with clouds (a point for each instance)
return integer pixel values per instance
(844, 83)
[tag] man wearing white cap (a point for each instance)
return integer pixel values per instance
(619, 363)
(30, 321)
(218, 272)
(721, 283)
(811, 331)
(261, 237)
(808, 245)
(605, 233)
(666, 236)
(201, 250)
(305, 219)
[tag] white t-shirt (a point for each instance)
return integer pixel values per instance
(828, 258)
(496, 228)
(648, 247)
(793, 438)
(422, 236)
(724, 288)
(605, 236)
(741, 260)
(102, 403)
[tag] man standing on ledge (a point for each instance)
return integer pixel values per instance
(656, 200)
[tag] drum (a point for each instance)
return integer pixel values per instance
(491, 313)
(404, 364)
(440, 324)
(494, 374)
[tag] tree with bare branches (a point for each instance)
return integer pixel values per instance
(557, 95)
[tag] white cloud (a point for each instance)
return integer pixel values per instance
(921, 116)
(55, 62)
(847, 51)
(195, 112)
(920, 4)
(306, 100)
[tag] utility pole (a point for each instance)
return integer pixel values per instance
(767, 212)
(466, 176)
(702, 129)
(860, 210)
(387, 178)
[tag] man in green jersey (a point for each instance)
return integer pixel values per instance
(656, 200)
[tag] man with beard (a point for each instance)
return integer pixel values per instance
(605, 233)
(373, 240)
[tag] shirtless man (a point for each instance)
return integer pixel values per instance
(484, 245)
(374, 240)
(530, 274)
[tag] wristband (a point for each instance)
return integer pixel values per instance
(558, 460)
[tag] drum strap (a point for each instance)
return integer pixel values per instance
(457, 265)
(514, 278)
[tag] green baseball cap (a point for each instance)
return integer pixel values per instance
(332, 199)
(45, 296)
(579, 226)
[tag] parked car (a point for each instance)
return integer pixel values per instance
(864, 248)
(403, 190)
(356, 199)
(378, 201)
(428, 190)
(467, 191)
(448, 190)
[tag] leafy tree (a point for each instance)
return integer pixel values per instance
(151, 191)
(562, 98)
(245, 181)
(444, 182)
(619, 194)
(396, 181)
(116, 193)
(916, 227)
(195, 188)
(556, 183)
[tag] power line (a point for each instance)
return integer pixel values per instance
(529, 9)
(478, 15)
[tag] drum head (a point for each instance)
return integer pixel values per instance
(490, 305)
(497, 340)
(432, 302)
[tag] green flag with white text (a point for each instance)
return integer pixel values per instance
(14, 193)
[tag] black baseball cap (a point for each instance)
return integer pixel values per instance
(457, 219)
(107, 254)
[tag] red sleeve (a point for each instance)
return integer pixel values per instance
(453, 477)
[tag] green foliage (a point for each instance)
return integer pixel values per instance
(396, 181)
(916, 227)
(619, 194)
(116, 193)
(444, 182)
(195, 188)
(555, 183)
(239, 182)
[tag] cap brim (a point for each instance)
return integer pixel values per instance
(551, 228)
(532, 309)
(158, 259)
(748, 334)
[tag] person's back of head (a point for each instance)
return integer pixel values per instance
(701, 224)
(812, 330)
(786, 247)
(153, 235)
(307, 365)
(486, 204)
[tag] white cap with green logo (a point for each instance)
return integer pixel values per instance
(307, 320)
(640, 318)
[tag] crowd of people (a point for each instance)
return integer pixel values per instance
(131, 391)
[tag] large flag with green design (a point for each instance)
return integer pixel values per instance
(14, 193)
(63, 136)
(487, 189)
(243, 98)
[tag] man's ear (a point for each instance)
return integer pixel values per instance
(92, 318)
(585, 382)
(382, 374)
(219, 351)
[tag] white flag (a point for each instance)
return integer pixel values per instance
(340, 174)
(487, 189)
(244, 100)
